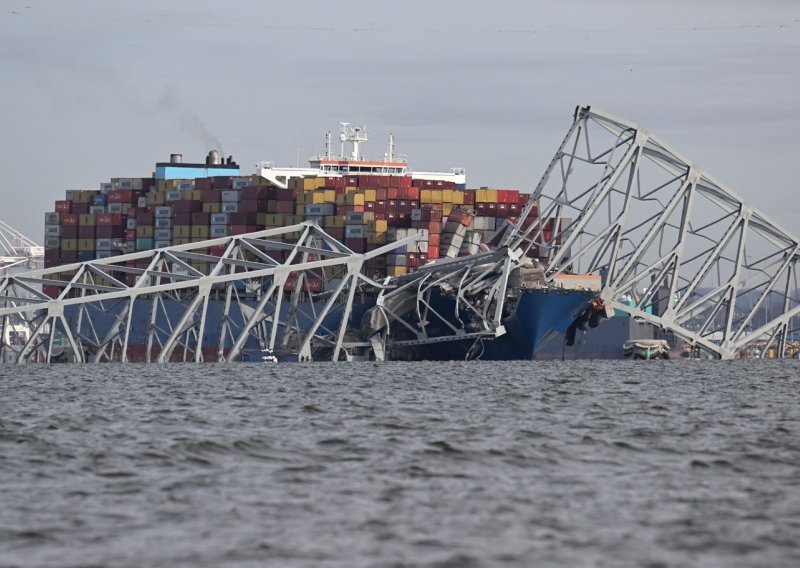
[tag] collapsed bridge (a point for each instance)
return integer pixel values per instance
(673, 247)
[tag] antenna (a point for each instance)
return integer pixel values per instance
(328, 147)
(390, 151)
(355, 136)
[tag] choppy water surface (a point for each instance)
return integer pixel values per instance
(434, 464)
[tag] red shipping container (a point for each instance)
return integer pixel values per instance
(252, 205)
(433, 252)
(241, 229)
(502, 210)
(186, 206)
(182, 219)
(110, 231)
(63, 206)
(52, 256)
(311, 283)
(108, 219)
(69, 219)
(356, 245)
(391, 205)
(86, 232)
(434, 227)
(69, 232)
(144, 218)
(254, 192)
(392, 193)
(201, 218)
(51, 291)
(286, 207)
(217, 250)
(469, 197)
(412, 193)
(122, 196)
(80, 208)
(523, 198)
(380, 216)
(381, 194)
(211, 195)
(220, 182)
(130, 235)
(241, 218)
(433, 242)
(380, 206)
(336, 232)
(202, 184)
(369, 206)
(69, 256)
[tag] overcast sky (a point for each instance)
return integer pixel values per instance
(96, 89)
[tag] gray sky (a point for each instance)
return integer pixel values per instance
(94, 89)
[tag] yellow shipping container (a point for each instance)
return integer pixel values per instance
(300, 210)
(84, 196)
(317, 197)
(330, 195)
(86, 220)
(354, 198)
(200, 231)
(272, 205)
(86, 244)
(181, 240)
(335, 221)
(310, 183)
(69, 244)
(446, 208)
(350, 189)
(370, 195)
(273, 220)
(447, 196)
(182, 231)
(194, 195)
(378, 226)
(396, 270)
(376, 238)
(144, 231)
(458, 197)
(425, 196)
(212, 208)
(156, 197)
(436, 196)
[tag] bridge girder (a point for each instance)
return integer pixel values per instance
(675, 247)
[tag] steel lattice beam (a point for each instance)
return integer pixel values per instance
(674, 246)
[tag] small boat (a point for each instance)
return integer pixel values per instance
(646, 349)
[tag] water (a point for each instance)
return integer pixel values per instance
(430, 464)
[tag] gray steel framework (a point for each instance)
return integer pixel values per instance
(177, 284)
(675, 247)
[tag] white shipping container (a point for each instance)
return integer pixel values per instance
(141, 203)
(229, 207)
(355, 231)
(355, 217)
(52, 218)
(162, 234)
(162, 223)
(161, 244)
(230, 196)
(106, 187)
(173, 196)
(102, 244)
(186, 185)
(52, 243)
(114, 208)
(97, 209)
(130, 224)
(219, 218)
(239, 183)
(451, 239)
(52, 230)
(163, 211)
(218, 231)
(449, 252)
(323, 209)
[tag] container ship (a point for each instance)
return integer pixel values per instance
(363, 203)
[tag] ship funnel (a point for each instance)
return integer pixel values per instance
(176, 158)
(213, 158)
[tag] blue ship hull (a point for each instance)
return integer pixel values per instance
(537, 315)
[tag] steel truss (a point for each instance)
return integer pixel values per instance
(674, 246)
(98, 302)
(461, 299)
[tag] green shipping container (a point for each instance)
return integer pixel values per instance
(144, 243)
